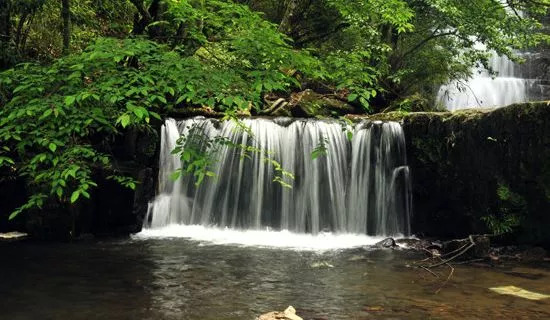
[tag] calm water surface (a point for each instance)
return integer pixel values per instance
(183, 279)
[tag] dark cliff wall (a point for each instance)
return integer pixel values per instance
(112, 209)
(471, 164)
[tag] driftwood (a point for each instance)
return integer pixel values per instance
(437, 260)
(193, 112)
(462, 250)
(275, 106)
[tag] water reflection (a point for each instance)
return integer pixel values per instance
(75, 281)
(182, 279)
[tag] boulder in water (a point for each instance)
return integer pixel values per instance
(12, 236)
(534, 254)
(321, 264)
(386, 243)
(288, 314)
(478, 245)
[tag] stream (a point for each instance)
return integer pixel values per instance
(176, 278)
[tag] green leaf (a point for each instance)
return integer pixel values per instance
(69, 100)
(155, 115)
(124, 120)
(52, 146)
(75, 196)
(352, 97)
(46, 114)
(13, 214)
(175, 175)
(210, 174)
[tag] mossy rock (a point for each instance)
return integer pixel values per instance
(310, 104)
(458, 159)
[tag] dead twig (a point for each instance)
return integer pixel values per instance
(448, 278)
(469, 261)
(430, 271)
(472, 243)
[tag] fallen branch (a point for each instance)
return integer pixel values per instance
(435, 256)
(448, 278)
(430, 271)
(468, 261)
(472, 243)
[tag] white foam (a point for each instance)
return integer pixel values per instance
(260, 238)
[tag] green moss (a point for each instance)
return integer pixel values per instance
(544, 178)
(431, 150)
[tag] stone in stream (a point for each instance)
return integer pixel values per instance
(519, 292)
(12, 236)
(288, 314)
(418, 244)
(480, 249)
(386, 243)
(534, 254)
(321, 264)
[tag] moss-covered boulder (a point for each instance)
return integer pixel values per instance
(310, 104)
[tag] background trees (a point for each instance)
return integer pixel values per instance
(79, 72)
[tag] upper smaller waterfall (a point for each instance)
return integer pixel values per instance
(483, 90)
(359, 186)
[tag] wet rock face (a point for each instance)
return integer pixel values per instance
(112, 208)
(120, 210)
(460, 160)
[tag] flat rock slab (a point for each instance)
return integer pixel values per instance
(11, 236)
(288, 314)
(519, 292)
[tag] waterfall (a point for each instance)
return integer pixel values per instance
(482, 90)
(359, 185)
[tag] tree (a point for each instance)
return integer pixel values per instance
(66, 16)
(53, 114)
(5, 33)
(131, 61)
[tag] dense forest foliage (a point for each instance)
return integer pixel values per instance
(77, 73)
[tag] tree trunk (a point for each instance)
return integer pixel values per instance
(293, 14)
(6, 57)
(5, 17)
(145, 16)
(22, 46)
(19, 30)
(66, 17)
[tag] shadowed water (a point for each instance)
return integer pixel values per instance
(182, 279)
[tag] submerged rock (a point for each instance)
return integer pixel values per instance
(386, 243)
(288, 314)
(419, 244)
(519, 292)
(480, 249)
(321, 264)
(12, 236)
(534, 254)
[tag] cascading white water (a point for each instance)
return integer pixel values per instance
(482, 90)
(360, 186)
